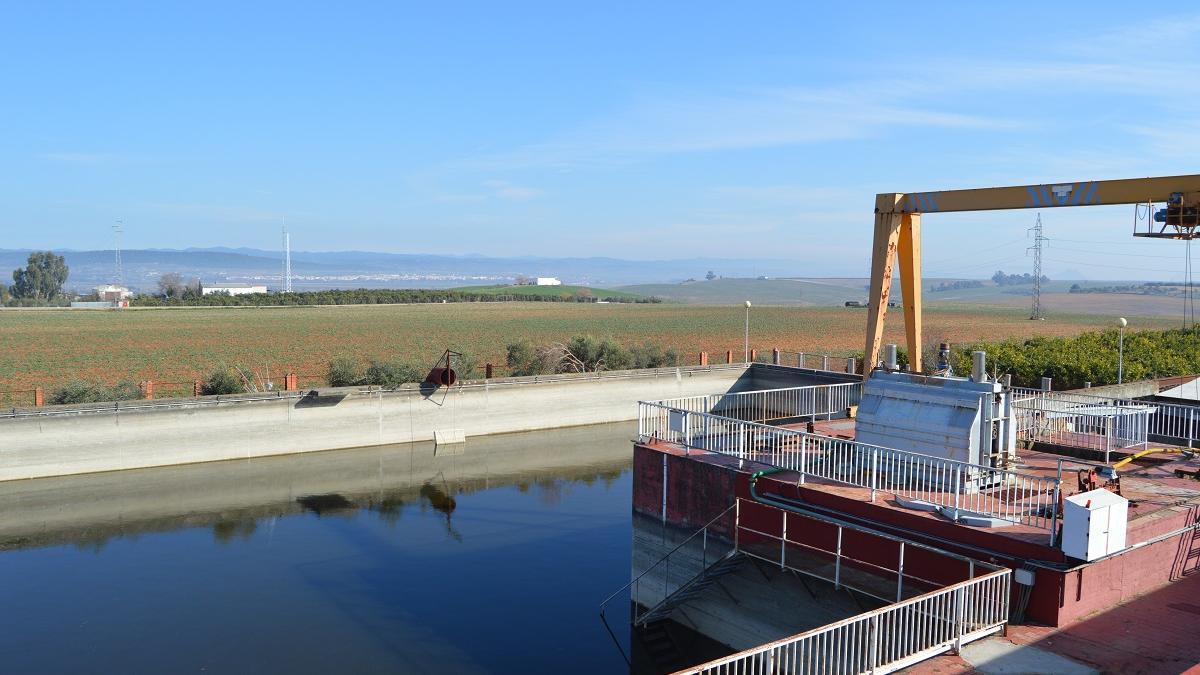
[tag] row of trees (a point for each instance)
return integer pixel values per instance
(347, 371)
(1134, 289)
(220, 381)
(580, 354)
(1072, 361)
(957, 285)
(1089, 357)
(585, 353)
(1003, 279)
(189, 294)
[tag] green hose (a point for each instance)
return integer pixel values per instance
(754, 480)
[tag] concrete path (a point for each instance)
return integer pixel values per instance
(998, 656)
(1151, 634)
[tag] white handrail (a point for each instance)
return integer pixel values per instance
(882, 640)
(1170, 421)
(954, 487)
(763, 405)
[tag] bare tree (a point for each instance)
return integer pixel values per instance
(170, 285)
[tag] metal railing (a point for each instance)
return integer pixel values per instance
(700, 538)
(956, 488)
(1100, 423)
(830, 563)
(1166, 423)
(813, 401)
(882, 640)
(829, 362)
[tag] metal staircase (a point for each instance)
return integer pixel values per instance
(724, 565)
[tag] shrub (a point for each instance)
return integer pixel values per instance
(344, 371)
(587, 354)
(92, 392)
(222, 381)
(649, 355)
(522, 359)
(392, 374)
(466, 366)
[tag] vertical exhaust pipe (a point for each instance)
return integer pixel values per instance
(979, 366)
(889, 358)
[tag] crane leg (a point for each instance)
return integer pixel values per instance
(883, 258)
(910, 285)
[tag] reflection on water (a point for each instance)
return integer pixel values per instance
(369, 560)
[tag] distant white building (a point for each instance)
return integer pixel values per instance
(225, 288)
(112, 293)
(548, 281)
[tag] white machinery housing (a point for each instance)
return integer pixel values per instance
(1094, 524)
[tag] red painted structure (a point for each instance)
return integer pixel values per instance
(700, 485)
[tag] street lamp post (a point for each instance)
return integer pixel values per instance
(746, 356)
(1121, 350)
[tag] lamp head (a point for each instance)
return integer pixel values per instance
(747, 304)
(1122, 322)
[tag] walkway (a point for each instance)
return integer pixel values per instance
(1151, 634)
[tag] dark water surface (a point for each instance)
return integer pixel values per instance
(368, 560)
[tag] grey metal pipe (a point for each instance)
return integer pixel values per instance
(979, 366)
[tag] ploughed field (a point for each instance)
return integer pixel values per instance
(172, 347)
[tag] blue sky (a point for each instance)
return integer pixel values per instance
(638, 130)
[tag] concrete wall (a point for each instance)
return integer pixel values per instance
(133, 503)
(143, 434)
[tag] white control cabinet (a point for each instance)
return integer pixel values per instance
(1094, 524)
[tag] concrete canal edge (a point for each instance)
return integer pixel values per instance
(57, 441)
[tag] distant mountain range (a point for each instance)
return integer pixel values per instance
(365, 269)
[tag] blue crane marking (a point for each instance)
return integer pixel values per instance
(922, 202)
(1073, 194)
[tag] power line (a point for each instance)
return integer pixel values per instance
(1121, 253)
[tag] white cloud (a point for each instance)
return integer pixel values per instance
(684, 122)
(515, 193)
(77, 157)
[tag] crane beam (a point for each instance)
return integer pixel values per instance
(1049, 195)
(898, 232)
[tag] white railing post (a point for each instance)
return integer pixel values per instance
(900, 575)
(957, 490)
(687, 433)
(803, 456)
(959, 614)
(874, 471)
(1054, 513)
(837, 562)
(783, 545)
(737, 520)
(873, 654)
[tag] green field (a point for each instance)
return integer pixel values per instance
(564, 291)
(804, 292)
(48, 348)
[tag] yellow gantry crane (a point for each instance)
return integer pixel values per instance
(898, 231)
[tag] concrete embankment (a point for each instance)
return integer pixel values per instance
(57, 441)
(225, 496)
